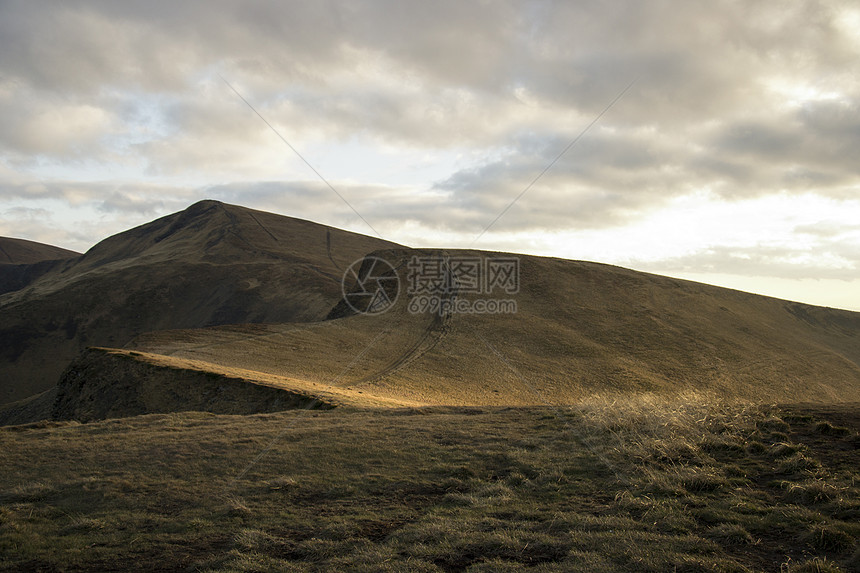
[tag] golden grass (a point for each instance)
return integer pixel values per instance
(326, 393)
(580, 329)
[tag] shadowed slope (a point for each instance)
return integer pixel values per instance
(210, 264)
(22, 262)
(23, 252)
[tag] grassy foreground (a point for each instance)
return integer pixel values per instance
(640, 485)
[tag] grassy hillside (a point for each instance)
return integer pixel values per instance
(24, 252)
(644, 485)
(580, 329)
(272, 285)
(210, 264)
(22, 262)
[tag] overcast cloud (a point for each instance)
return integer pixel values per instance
(733, 153)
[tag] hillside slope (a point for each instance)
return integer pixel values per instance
(579, 329)
(22, 251)
(22, 262)
(254, 297)
(207, 265)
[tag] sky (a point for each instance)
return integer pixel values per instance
(716, 141)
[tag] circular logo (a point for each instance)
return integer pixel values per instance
(370, 285)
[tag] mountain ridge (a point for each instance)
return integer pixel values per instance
(23, 262)
(210, 264)
(15, 251)
(257, 297)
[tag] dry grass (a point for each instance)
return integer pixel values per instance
(651, 485)
(580, 329)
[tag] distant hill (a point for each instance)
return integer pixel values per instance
(21, 251)
(210, 264)
(22, 262)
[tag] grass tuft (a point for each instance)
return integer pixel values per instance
(828, 537)
(814, 565)
(829, 429)
(731, 533)
(811, 491)
(798, 463)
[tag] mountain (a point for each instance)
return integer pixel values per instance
(22, 262)
(210, 264)
(226, 309)
(21, 251)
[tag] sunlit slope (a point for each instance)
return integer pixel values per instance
(207, 265)
(580, 329)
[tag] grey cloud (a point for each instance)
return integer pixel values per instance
(812, 148)
(291, 197)
(382, 207)
(29, 214)
(82, 46)
(573, 53)
(66, 127)
(764, 261)
(138, 199)
(601, 182)
(511, 82)
(827, 230)
(38, 224)
(696, 61)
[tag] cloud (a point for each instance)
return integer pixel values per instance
(768, 261)
(107, 197)
(118, 109)
(46, 124)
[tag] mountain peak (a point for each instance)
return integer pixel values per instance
(209, 264)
